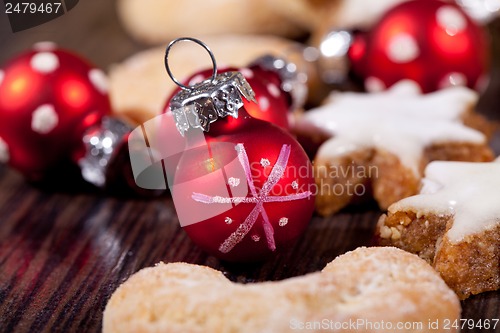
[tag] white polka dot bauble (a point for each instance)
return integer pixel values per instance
(49, 98)
(433, 43)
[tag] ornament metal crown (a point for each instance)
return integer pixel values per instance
(206, 101)
(200, 105)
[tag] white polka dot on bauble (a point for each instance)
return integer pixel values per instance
(44, 46)
(4, 152)
(273, 90)
(44, 62)
(402, 48)
(373, 84)
(99, 80)
(453, 79)
(264, 103)
(451, 20)
(44, 119)
(247, 73)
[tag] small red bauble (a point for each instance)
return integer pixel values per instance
(431, 42)
(49, 97)
(273, 104)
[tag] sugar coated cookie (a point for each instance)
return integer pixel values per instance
(374, 289)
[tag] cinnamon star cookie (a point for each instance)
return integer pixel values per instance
(454, 224)
(378, 144)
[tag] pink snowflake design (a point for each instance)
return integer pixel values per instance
(257, 198)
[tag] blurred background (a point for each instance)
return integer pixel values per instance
(109, 32)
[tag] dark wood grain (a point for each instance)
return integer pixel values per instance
(63, 251)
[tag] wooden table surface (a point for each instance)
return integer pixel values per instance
(65, 249)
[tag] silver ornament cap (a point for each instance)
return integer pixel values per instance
(200, 105)
(101, 144)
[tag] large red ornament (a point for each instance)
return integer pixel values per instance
(431, 42)
(242, 187)
(265, 199)
(49, 97)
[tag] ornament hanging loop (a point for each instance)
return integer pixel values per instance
(199, 42)
(201, 104)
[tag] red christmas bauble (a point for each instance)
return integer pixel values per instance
(244, 191)
(48, 98)
(273, 104)
(431, 42)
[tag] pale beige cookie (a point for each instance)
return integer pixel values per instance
(378, 144)
(321, 16)
(454, 223)
(159, 21)
(368, 286)
(139, 86)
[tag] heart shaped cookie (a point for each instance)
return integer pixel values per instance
(365, 289)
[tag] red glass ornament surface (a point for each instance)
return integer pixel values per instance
(281, 213)
(48, 98)
(431, 42)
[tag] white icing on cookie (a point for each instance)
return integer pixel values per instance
(468, 191)
(401, 121)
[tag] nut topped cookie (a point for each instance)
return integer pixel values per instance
(454, 224)
(382, 142)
